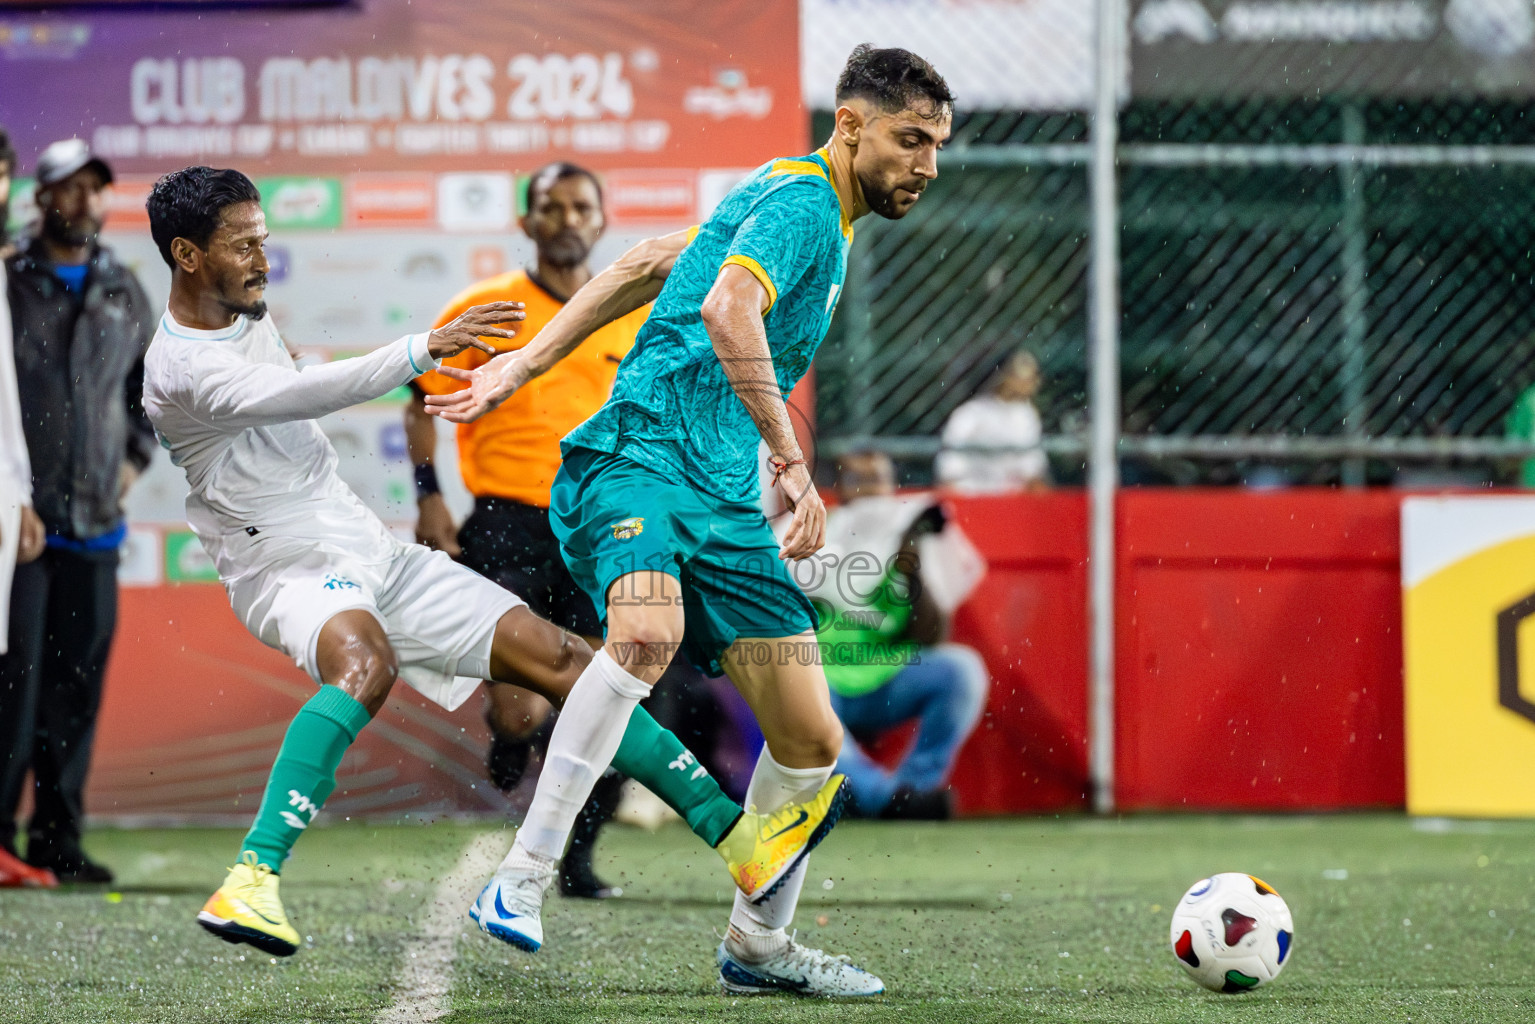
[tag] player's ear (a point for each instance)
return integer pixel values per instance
(187, 256)
(850, 124)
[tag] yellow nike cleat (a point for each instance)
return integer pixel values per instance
(246, 909)
(762, 849)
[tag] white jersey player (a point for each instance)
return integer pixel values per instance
(293, 544)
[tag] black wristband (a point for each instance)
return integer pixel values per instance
(426, 481)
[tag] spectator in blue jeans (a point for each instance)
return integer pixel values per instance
(881, 636)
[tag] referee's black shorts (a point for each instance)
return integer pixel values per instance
(511, 544)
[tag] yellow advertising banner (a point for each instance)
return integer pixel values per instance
(1468, 589)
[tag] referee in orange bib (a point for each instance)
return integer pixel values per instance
(508, 460)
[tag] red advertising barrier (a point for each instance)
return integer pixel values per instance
(1259, 667)
(1260, 651)
(1028, 619)
(195, 709)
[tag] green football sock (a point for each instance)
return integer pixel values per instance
(656, 759)
(304, 773)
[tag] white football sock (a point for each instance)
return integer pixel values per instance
(585, 738)
(757, 931)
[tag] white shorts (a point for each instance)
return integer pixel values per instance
(439, 616)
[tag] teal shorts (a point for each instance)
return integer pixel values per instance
(614, 516)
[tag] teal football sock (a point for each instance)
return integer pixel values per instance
(656, 759)
(304, 773)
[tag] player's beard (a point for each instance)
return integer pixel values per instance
(253, 310)
(881, 198)
(565, 250)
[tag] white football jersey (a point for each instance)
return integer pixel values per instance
(238, 418)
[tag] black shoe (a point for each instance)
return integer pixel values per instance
(507, 761)
(577, 879)
(911, 805)
(70, 866)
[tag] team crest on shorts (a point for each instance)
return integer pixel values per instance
(334, 582)
(631, 527)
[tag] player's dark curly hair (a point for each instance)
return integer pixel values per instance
(187, 204)
(894, 79)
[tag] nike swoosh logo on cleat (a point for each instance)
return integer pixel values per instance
(804, 816)
(740, 975)
(501, 907)
(253, 910)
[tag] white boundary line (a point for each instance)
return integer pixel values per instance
(425, 980)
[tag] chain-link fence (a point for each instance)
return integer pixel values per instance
(993, 260)
(1316, 290)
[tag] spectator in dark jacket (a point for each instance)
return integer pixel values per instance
(81, 326)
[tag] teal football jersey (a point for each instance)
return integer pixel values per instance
(672, 408)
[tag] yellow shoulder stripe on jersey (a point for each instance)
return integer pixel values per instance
(782, 167)
(810, 167)
(693, 232)
(757, 272)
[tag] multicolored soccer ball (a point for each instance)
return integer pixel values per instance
(1232, 932)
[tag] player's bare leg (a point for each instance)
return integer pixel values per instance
(520, 722)
(357, 666)
(600, 722)
(793, 708)
(598, 697)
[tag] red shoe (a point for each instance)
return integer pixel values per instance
(16, 873)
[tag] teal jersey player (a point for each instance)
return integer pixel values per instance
(664, 476)
(656, 503)
(673, 408)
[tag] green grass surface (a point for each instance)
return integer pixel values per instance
(1033, 920)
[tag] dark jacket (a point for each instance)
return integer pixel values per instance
(80, 367)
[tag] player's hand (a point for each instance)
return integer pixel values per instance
(489, 386)
(127, 476)
(33, 536)
(807, 533)
(434, 526)
(473, 326)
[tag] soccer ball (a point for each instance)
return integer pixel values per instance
(1232, 932)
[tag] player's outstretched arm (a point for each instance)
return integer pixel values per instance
(632, 281)
(732, 314)
(232, 393)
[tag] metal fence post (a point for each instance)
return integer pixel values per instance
(1104, 398)
(1355, 296)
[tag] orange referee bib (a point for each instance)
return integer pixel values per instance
(514, 451)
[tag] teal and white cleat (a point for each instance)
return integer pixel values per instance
(508, 908)
(797, 970)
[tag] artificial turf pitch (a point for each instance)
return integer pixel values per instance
(1020, 920)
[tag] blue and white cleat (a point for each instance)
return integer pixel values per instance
(797, 970)
(509, 905)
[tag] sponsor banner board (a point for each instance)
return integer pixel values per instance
(1468, 583)
(139, 562)
(185, 559)
(476, 202)
(1210, 49)
(313, 203)
(637, 197)
(390, 85)
(391, 201)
